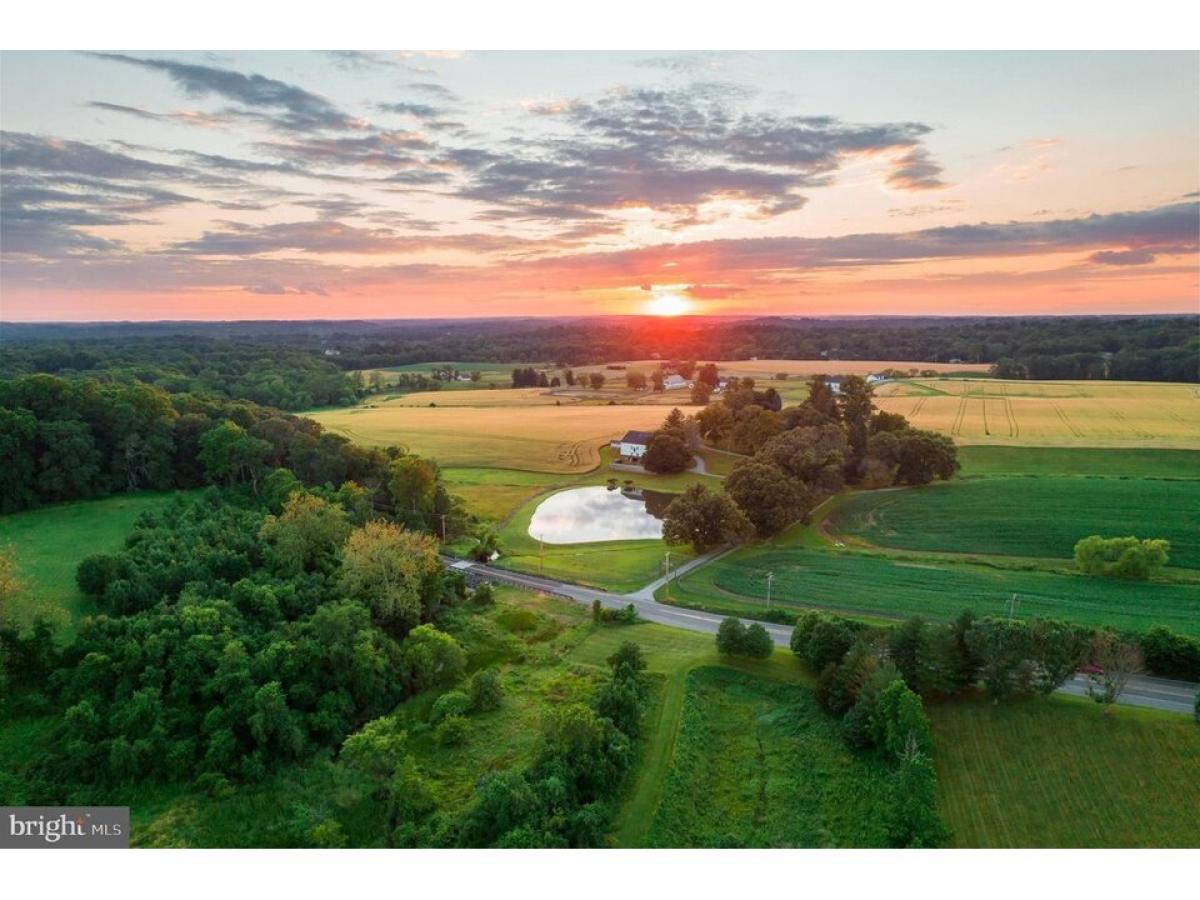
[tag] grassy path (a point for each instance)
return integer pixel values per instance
(661, 726)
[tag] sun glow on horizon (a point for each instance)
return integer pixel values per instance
(667, 305)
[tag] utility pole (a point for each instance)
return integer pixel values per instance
(443, 528)
(770, 578)
(1012, 606)
(668, 566)
(541, 555)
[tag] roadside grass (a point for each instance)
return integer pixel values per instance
(898, 587)
(985, 460)
(1039, 517)
(1060, 773)
(49, 543)
(756, 764)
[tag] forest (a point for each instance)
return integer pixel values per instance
(296, 365)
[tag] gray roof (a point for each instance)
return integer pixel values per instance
(637, 437)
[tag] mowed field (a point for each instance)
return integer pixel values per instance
(539, 438)
(1060, 773)
(1041, 517)
(48, 544)
(874, 585)
(1051, 413)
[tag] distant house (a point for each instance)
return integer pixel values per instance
(834, 385)
(876, 378)
(674, 383)
(633, 445)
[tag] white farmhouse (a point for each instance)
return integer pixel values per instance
(633, 445)
(674, 383)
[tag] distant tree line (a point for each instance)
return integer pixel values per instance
(270, 374)
(285, 364)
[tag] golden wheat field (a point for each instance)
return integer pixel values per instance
(481, 398)
(1050, 413)
(537, 438)
(765, 368)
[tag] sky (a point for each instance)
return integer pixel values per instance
(336, 185)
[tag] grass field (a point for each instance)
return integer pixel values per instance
(982, 460)
(756, 764)
(615, 565)
(534, 438)
(1050, 413)
(875, 585)
(1041, 517)
(1059, 773)
(49, 543)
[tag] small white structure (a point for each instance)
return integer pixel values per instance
(633, 445)
(834, 385)
(674, 383)
(876, 378)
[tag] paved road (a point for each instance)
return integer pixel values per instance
(1142, 690)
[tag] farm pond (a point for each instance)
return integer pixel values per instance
(588, 514)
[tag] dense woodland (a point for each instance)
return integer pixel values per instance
(294, 365)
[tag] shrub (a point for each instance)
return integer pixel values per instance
(730, 635)
(453, 731)
(451, 703)
(484, 594)
(626, 615)
(485, 690)
(820, 640)
(1171, 655)
(757, 642)
(1121, 557)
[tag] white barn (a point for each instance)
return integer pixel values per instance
(674, 382)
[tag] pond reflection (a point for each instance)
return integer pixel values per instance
(583, 515)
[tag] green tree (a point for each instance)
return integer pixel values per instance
(392, 572)
(815, 456)
(715, 423)
(412, 484)
(485, 690)
(229, 455)
(767, 497)
(704, 519)
(757, 642)
(855, 404)
(666, 454)
(307, 534)
(731, 635)
(431, 658)
(753, 426)
(1121, 557)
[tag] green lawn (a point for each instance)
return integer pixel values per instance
(48, 544)
(874, 585)
(614, 565)
(756, 764)
(981, 459)
(1060, 773)
(1041, 517)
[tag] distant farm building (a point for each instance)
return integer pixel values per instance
(876, 378)
(674, 382)
(633, 445)
(834, 385)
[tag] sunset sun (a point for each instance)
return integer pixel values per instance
(668, 305)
